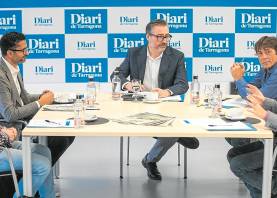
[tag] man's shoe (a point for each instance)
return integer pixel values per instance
(152, 169)
(189, 142)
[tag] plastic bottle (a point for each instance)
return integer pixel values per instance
(78, 111)
(216, 101)
(195, 90)
(90, 92)
(116, 85)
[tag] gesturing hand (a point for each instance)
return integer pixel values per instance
(237, 71)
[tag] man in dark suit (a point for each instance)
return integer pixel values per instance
(15, 102)
(161, 69)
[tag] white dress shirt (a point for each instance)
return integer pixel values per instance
(151, 74)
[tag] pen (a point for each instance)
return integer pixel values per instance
(52, 122)
(186, 121)
(219, 125)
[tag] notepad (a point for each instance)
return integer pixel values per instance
(220, 125)
(37, 123)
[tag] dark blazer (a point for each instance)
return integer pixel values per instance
(172, 72)
(10, 108)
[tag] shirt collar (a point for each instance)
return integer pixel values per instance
(11, 68)
(149, 56)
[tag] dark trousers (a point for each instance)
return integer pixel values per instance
(58, 146)
(246, 162)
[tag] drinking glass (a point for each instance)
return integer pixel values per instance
(208, 91)
(136, 86)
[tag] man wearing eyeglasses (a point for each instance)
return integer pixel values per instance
(246, 157)
(161, 69)
(15, 102)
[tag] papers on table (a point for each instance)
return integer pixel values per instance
(176, 98)
(146, 119)
(51, 123)
(218, 124)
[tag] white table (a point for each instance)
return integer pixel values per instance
(117, 109)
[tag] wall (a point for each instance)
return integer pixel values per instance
(68, 42)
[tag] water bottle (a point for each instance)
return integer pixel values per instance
(116, 85)
(216, 101)
(78, 111)
(195, 89)
(90, 92)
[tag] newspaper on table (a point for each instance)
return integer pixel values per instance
(146, 119)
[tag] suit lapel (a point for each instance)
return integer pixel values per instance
(11, 81)
(163, 66)
(23, 96)
(141, 61)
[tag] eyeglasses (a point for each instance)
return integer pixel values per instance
(160, 38)
(265, 52)
(24, 51)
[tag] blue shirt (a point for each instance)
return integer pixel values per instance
(265, 80)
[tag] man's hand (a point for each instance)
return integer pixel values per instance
(237, 71)
(128, 86)
(255, 93)
(46, 98)
(162, 92)
(11, 132)
(257, 109)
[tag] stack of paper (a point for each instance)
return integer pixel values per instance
(176, 98)
(219, 125)
(146, 119)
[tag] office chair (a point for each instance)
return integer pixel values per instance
(12, 172)
(128, 152)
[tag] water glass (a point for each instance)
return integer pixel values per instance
(136, 86)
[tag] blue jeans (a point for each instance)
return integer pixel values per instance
(42, 178)
(246, 162)
(160, 148)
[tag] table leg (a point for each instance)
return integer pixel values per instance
(121, 157)
(267, 169)
(185, 163)
(27, 167)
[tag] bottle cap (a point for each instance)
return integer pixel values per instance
(79, 96)
(90, 77)
(217, 86)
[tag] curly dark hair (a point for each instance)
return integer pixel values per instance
(9, 41)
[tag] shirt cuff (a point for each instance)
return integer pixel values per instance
(122, 87)
(38, 104)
